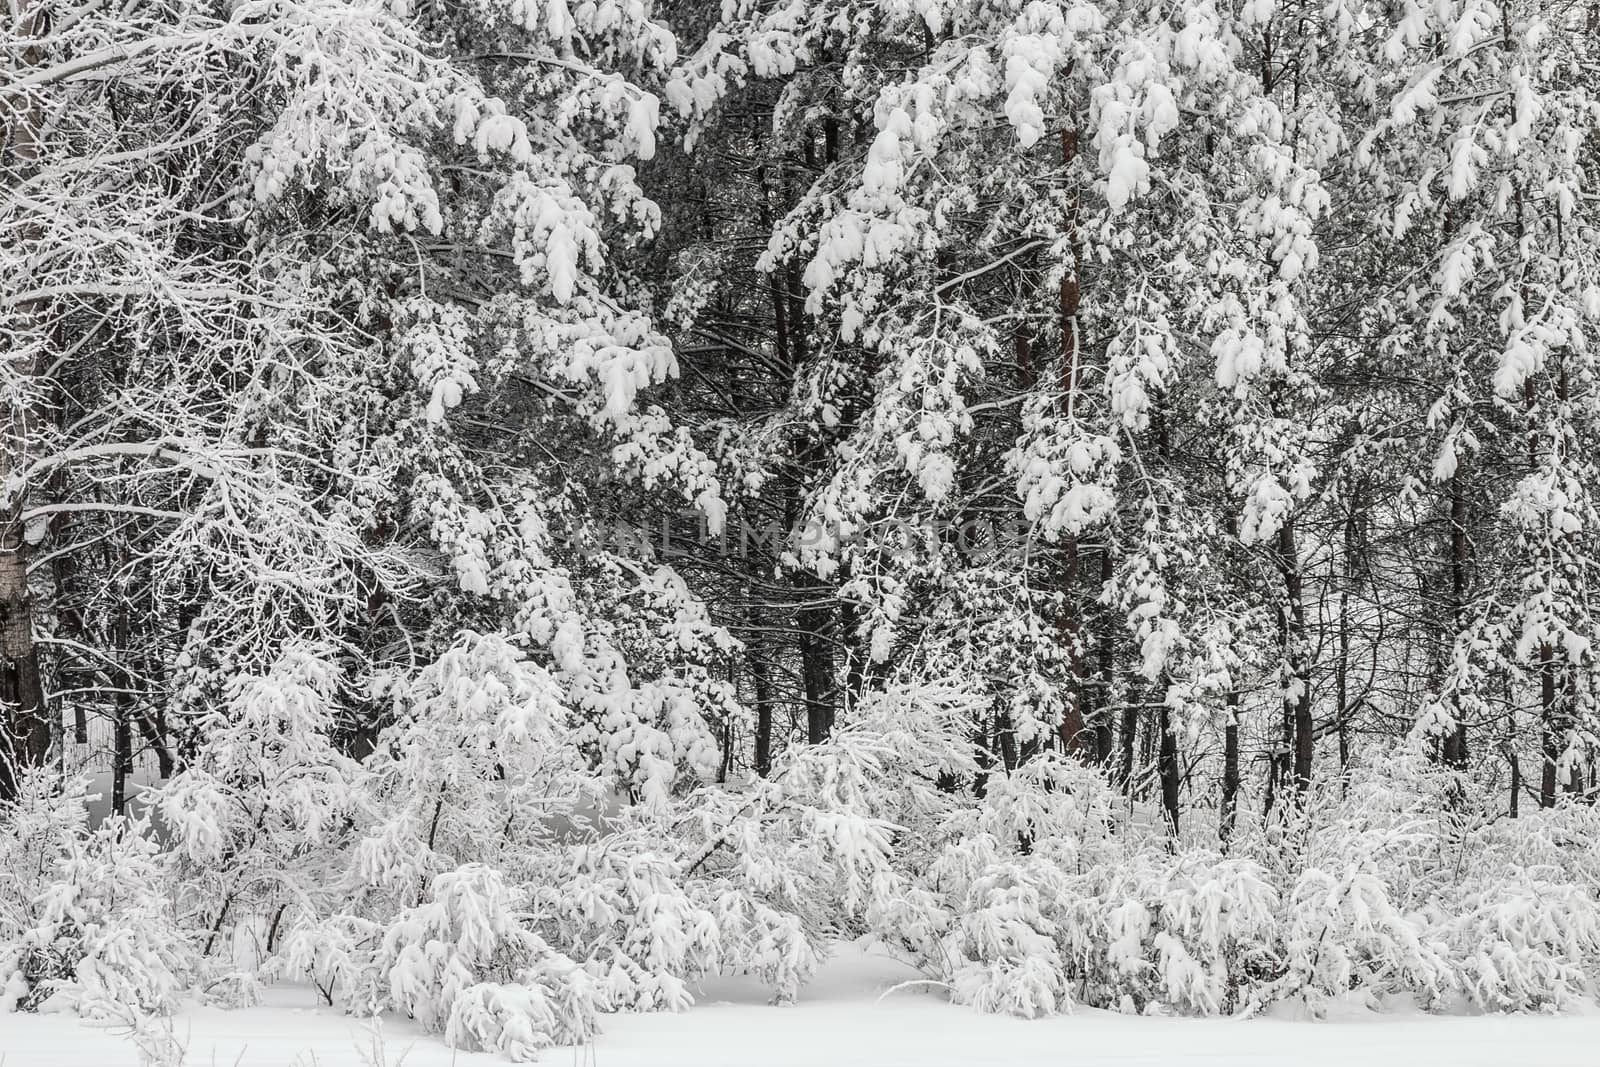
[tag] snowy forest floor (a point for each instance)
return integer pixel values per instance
(853, 1015)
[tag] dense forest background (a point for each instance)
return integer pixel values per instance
(519, 503)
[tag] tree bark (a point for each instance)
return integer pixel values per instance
(763, 686)
(1104, 728)
(1230, 771)
(1455, 745)
(1167, 763)
(1549, 740)
(1130, 732)
(1074, 739)
(1298, 726)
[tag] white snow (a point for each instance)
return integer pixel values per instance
(856, 1014)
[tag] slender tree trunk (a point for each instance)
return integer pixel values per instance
(1006, 741)
(1271, 794)
(1574, 782)
(27, 740)
(1167, 763)
(1129, 738)
(1074, 738)
(1511, 752)
(1104, 728)
(1455, 745)
(1549, 739)
(121, 752)
(763, 686)
(1341, 673)
(1298, 726)
(816, 669)
(1230, 770)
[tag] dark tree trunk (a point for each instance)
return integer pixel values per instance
(1129, 738)
(1230, 771)
(1006, 741)
(27, 737)
(1455, 745)
(816, 667)
(121, 752)
(1550, 739)
(763, 687)
(1298, 726)
(1341, 671)
(1574, 782)
(1513, 759)
(1104, 728)
(1167, 763)
(1074, 738)
(1149, 743)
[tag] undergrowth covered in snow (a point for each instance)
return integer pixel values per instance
(498, 909)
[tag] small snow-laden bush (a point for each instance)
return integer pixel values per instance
(1011, 916)
(465, 962)
(1001, 951)
(759, 879)
(1387, 817)
(978, 884)
(1560, 841)
(479, 764)
(1522, 944)
(436, 915)
(1357, 865)
(338, 955)
(648, 922)
(84, 913)
(1215, 928)
(1143, 927)
(262, 816)
(1516, 903)
(1344, 932)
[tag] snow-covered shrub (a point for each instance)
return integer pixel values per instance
(753, 880)
(479, 764)
(1515, 903)
(1521, 944)
(83, 912)
(338, 955)
(1344, 932)
(649, 921)
(435, 917)
(1020, 925)
(259, 817)
(1047, 902)
(465, 962)
(1215, 928)
(1002, 944)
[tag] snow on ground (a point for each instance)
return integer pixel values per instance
(850, 1017)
